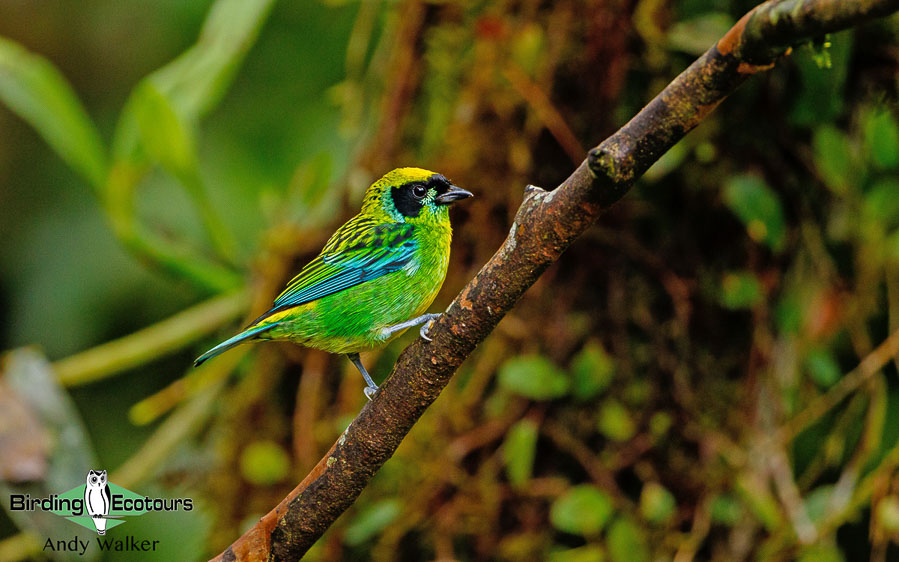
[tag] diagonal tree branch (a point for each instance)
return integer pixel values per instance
(546, 224)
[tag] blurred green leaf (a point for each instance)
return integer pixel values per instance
(740, 290)
(668, 162)
(519, 451)
(657, 504)
(660, 423)
(582, 510)
(882, 138)
(165, 135)
(758, 206)
(822, 367)
(725, 509)
(196, 80)
(821, 552)
(38, 93)
(880, 206)
(592, 371)
(637, 392)
(615, 422)
(626, 542)
(371, 521)
(528, 46)
(264, 463)
(696, 35)
(588, 553)
(534, 377)
(788, 313)
(833, 158)
(888, 514)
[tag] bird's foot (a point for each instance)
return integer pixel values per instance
(418, 320)
(423, 331)
(370, 391)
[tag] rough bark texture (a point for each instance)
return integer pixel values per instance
(546, 224)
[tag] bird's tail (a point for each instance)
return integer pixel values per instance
(236, 340)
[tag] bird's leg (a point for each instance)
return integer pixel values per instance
(425, 320)
(372, 387)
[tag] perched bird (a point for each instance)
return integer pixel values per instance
(375, 277)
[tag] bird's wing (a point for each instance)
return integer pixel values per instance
(360, 250)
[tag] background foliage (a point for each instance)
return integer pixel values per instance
(169, 165)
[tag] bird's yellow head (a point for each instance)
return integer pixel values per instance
(412, 195)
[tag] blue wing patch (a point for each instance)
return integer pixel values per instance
(358, 252)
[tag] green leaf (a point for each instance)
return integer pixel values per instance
(166, 136)
(38, 93)
(833, 158)
(882, 139)
(196, 80)
(788, 314)
(657, 504)
(740, 290)
(888, 514)
(659, 424)
(519, 451)
(880, 206)
(615, 422)
(725, 509)
(534, 377)
(822, 367)
(592, 371)
(371, 521)
(264, 463)
(582, 510)
(758, 206)
(527, 48)
(626, 542)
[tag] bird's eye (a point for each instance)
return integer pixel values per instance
(419, 191)
(94, 480)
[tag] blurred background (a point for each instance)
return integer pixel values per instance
(681, 384)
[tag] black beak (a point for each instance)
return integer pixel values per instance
(453, 194)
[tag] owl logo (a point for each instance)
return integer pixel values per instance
(97, 499)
